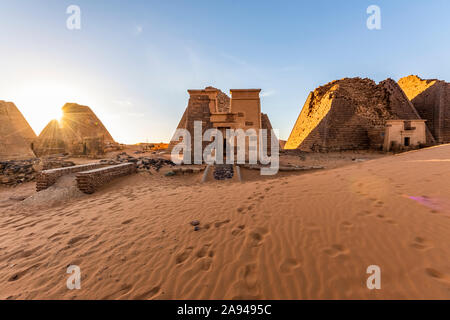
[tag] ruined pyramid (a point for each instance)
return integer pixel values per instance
(79, 132)
(350, 114)
(16, 135)
(431, 98)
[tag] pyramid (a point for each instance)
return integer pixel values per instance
(78, 132)
(16, 135)
(431, 98)
(51, 140)
(350, 114)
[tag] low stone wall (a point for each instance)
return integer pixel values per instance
(89, 181)
(48, 178)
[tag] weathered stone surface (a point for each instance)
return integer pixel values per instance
(89, 181)
(350, 114)
(14, 172)
(223, 172)
(214, 109)
(47, 178)
(142, 163)
(80, 132)
(16, 135)
(431, 98)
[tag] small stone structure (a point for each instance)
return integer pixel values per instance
(48, 178)
(89, 181)
(405, 133)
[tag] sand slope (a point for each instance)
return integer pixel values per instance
(300, 237)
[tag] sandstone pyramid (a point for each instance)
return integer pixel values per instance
(350, 114)
(79, 131)
(51, 140)
(16, 135)
(431, 98)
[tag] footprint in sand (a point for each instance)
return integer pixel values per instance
(256, 236)
(336, 250)
(346, 225)
(147, 295)
(379, 204)
(421, 244)
(390, 221)
(288, 265)
(77, 239)
(364, 213)
(203, 251)
(127, 221)
(124, 289)
(218, 224)
(247, 286)
(437, 275)
(180, 258)
(238, 230)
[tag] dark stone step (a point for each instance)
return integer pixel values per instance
(223, 171)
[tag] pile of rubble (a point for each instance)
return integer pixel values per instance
(14, 172)
(223, 172)
(142, 163)
(56, 163)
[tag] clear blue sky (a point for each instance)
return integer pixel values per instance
(132, 61)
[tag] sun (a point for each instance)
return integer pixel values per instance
(41, 102)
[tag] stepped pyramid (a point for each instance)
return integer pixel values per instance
(350, 114)
(16, 135)
(431, 98)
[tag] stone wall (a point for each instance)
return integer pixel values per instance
(47, 178)
(89, 181)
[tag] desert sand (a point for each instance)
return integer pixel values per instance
(302, 236)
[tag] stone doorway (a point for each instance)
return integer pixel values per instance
(407, 141)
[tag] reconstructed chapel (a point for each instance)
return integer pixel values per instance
(215, 109)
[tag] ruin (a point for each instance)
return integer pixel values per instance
(351, 114)
(89, 181)
(215, 109)
(16, 135)
(431, 98)
(79, 132)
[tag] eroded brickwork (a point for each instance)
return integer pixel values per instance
(48, 178)
(431, 98)
(89, 181)
(214, 109)
(349, 114)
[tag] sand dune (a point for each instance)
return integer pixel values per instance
(308, 236)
